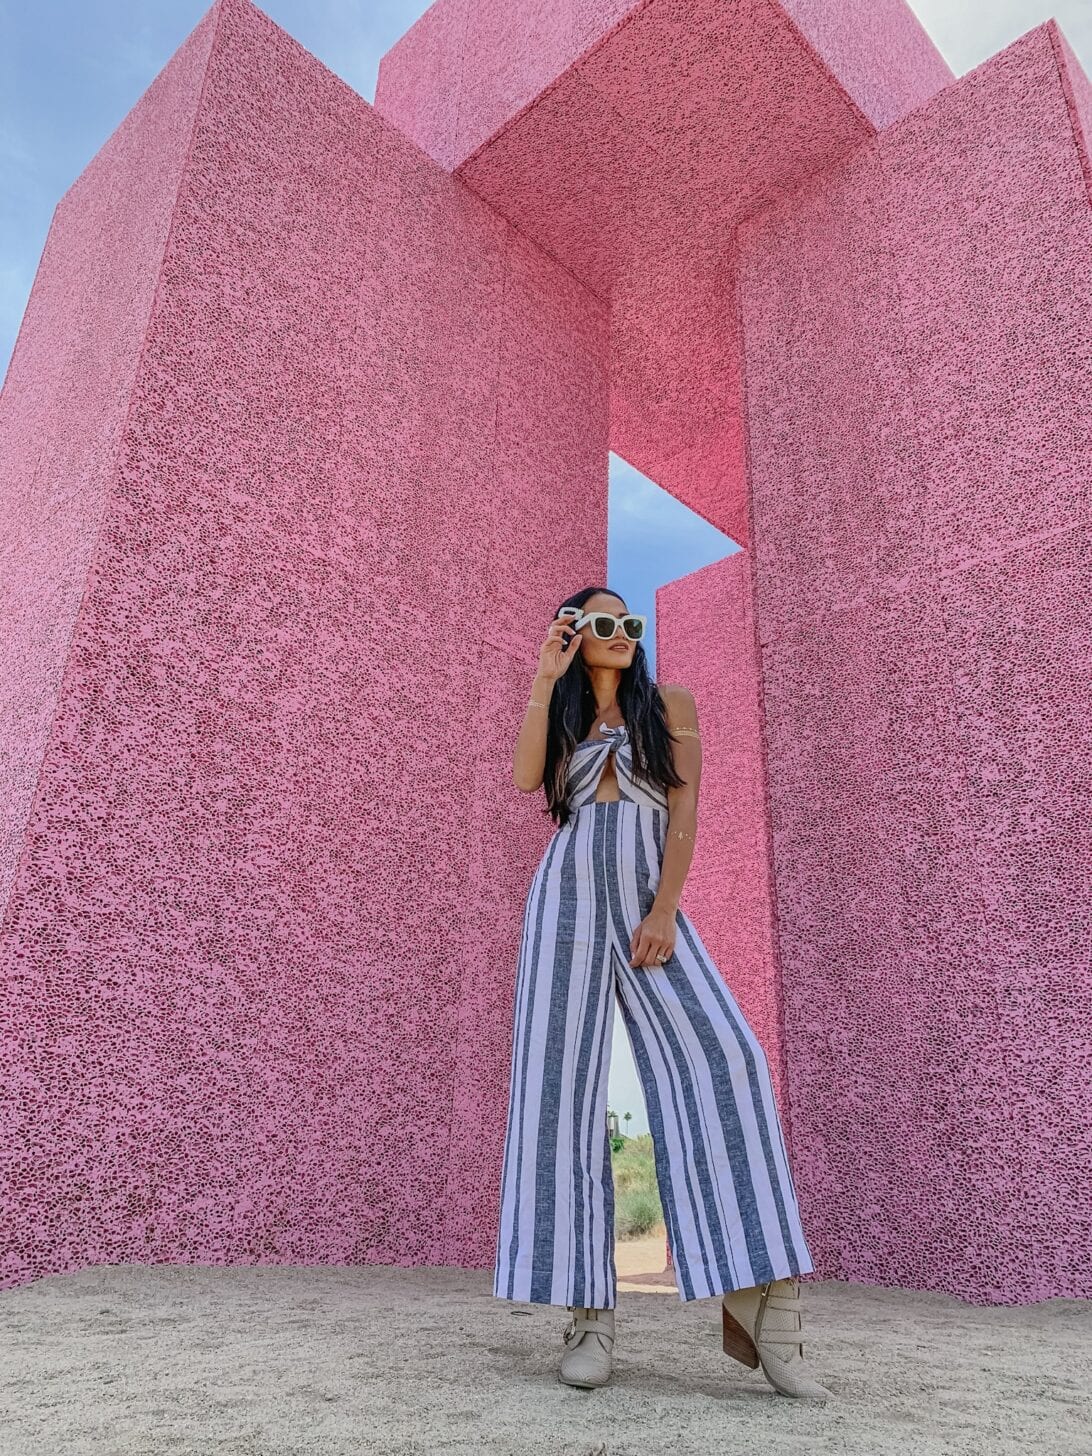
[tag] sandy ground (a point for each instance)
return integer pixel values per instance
(268, 1361)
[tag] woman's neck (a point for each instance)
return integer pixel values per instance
(604, 682)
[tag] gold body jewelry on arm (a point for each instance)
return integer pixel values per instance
(692, 733)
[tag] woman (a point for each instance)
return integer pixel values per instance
(620, 759)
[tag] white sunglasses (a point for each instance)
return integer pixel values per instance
(604, 625)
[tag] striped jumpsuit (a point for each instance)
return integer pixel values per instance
(721, 1167)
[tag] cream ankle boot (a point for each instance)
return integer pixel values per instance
(762, 1326)
(589, 1343)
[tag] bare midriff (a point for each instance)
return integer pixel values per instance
(607, 790)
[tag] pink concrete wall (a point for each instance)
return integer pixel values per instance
(64, 406)
(629, 140)
(467, 69)
(878, 51)
(266, 862)
(1077, 89)
(921, 539)
(260, 946)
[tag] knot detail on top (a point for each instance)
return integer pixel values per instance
(588, 763)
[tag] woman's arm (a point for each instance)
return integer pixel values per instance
(529, 758)
(682, 803)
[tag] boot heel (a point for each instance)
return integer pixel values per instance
(736, 1341)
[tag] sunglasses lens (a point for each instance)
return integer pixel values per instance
(605, 626)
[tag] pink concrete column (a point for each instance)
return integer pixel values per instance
(287, 404)
(918, 362)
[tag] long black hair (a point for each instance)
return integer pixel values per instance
(573, 711)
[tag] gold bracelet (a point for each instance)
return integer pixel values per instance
(693, 732)
(535, 704)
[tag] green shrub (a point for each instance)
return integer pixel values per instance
(636, 1215)
(637, 1207)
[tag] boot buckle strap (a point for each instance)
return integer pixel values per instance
(581, 1324)
(789, 1306)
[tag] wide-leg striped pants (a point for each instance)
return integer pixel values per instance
(727, 1191)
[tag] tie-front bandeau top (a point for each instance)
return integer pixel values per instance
(589, 760)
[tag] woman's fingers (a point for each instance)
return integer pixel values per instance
(555, 653)
(645, 953)
(566, 650)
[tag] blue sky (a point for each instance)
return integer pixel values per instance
(71, 71)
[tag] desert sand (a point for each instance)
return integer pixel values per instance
(121, 1360)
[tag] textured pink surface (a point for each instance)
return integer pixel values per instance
(1078, 93)
(878, 50)
(631, 152)
(288, 405)
(63, 409)
(920, 460)
(260, 950)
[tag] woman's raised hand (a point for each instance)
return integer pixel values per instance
(553, 656)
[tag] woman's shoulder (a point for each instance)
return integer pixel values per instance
(675, 695)
(680, 708)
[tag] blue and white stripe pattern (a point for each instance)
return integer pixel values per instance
(721, 1164)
